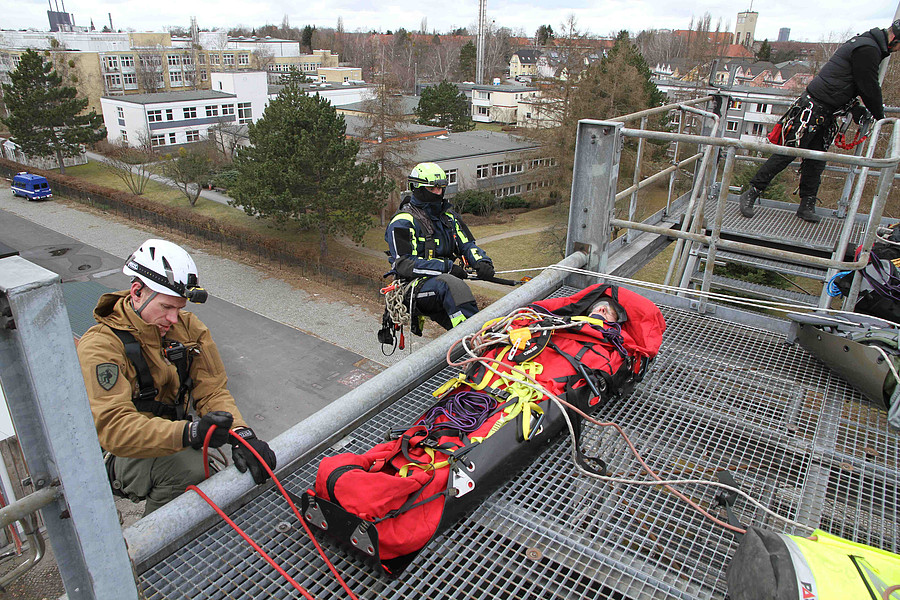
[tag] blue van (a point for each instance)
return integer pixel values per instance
(33, 187)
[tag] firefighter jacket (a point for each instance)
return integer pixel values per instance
(853, 71)
(424, 239)
(111, 379)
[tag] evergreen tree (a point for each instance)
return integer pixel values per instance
(445, 106)
(293, 76)
(301, 167)
(44, 116)
(765, 51)
(467, 57)
(543, 35)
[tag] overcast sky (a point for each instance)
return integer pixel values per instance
(830, 19)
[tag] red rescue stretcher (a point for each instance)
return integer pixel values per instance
(389, 502)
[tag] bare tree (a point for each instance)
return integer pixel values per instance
(149, 71)
(386, 142)
(132, 165)
(189, 168)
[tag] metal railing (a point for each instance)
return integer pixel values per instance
(598, 148)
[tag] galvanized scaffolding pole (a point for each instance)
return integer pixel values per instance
(45, 391)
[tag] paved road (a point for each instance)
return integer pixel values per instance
(279, 374)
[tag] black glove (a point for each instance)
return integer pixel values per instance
(195, 432)
(484, 269)
(244, 459)
(458, 271)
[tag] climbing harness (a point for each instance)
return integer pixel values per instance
(145, 397)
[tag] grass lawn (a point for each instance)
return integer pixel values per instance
(521, 252)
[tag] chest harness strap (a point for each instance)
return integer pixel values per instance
(145, 398)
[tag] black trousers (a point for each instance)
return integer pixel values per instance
(817, 135)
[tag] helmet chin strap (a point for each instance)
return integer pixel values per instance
(140, 309)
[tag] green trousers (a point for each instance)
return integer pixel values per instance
(158, 480)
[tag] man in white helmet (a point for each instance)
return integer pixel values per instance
(147, 365)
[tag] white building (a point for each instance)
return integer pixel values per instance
(497, 103)
(174, 118)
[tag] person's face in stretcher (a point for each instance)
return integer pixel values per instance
(607, 310)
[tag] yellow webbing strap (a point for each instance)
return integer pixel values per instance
(591, 320)
(404, 470)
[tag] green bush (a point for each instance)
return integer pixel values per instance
(513, 202)
(476, 202)
(225, 178)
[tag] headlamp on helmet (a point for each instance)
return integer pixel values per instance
(166, 268)
(427, 175)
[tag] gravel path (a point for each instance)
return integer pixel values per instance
(328, 313)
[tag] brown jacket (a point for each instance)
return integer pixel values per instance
(121, 428)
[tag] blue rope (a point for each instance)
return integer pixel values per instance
(832, 288)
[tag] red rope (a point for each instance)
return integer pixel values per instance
(284, 493)
(256, 547)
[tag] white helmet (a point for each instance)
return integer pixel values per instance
(166, 268)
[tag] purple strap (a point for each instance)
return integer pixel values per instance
(466, 411)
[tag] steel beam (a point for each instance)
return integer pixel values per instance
(48, 403)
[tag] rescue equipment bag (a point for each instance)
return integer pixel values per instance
(775, 566)
(388, 503)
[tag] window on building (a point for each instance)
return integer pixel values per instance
(176, 79)
(451, 176)
(154, 116)
(483, 171)
(243, 59)
(123, 134)
(170, 114)
(762, 108)
(675, 117)
(113, 81)
(758, 129)
(174, 60)
(172, 139)
(245, 113)
(157, 140)
(201, 58)
(111, 63)
(735, 104)
(227, 109)
(228, 60)
(130, 80)
(731, 126)
(212, 111)
(203, 75)
(187, 61)
(120, 112)
(214, 59)
(193, 135)
(482, 111)
(190, 112)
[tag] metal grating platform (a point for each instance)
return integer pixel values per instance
(756, 290)
(720, 396)
(781, 226)
(768, 264)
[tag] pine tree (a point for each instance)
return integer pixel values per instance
(444, 106)
(45, 117)
(765, 51)
(467, 57)
(301, 167)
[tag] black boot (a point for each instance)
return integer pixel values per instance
(807, 210)
(748, 201)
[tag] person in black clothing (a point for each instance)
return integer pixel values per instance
(810, 122)
(425, 238)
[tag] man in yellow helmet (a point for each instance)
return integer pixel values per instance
(425, 238)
